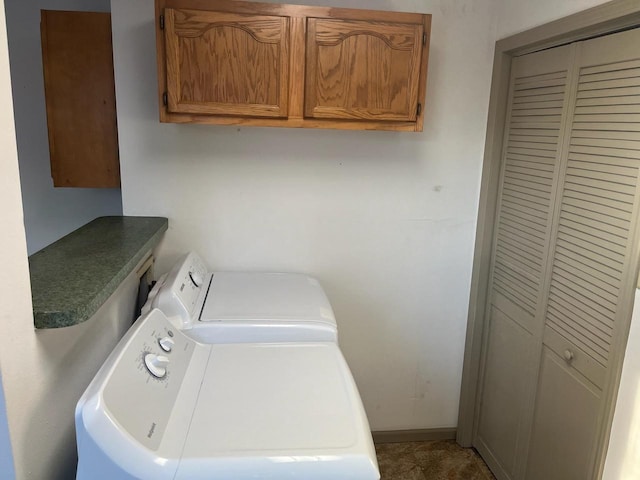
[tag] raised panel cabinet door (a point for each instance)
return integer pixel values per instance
(363, 70)
(227, 63)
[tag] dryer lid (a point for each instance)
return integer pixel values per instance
(280, 297)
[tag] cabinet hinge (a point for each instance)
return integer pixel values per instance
(424, 38)
(165, 99)
(419, 109)
(161, 22)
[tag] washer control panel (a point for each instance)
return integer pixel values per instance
(166, 344)
(156, 364)
(149, 371)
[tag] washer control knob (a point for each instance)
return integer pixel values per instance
(196, 278)
(156, 364)
(166, 344)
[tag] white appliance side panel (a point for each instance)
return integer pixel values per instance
(328, 466)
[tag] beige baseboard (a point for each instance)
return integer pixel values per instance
(423, 435)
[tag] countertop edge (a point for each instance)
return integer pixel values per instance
(77, 315)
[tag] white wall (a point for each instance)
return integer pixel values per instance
(49, 213)
(15, 290)
(623, 457)
(43, 373)
(6, 453)
(385, 220)
(515, 16)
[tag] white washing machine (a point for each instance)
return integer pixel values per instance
(189, 411)
(232, 307)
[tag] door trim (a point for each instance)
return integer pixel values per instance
(600, 20)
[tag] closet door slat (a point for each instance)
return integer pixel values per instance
(600, 101)
(610, 67)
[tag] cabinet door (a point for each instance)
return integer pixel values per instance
(227, 63)
(77, 61)
(363, 70)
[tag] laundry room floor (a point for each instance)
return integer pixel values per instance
(442, 460)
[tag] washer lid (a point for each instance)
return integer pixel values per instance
(281, 297)
(273, 397)
(278, 411)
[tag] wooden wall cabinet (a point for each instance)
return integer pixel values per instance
(242, 63)
(227, 64)
(77, 60)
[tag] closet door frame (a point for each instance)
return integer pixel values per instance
(601, 20)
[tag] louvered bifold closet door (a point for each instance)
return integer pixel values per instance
(593, 260)
(531, 157)
(599, 199)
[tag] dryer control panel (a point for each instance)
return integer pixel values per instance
(178, 294)
(142, 388)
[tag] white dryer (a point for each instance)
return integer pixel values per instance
(232, 307)
(189, 411)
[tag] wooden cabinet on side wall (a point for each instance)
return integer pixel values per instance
(227, 62)
(77, 60)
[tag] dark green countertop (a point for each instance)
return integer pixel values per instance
(73, 277)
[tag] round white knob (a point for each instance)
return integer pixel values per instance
(166, 344)
(156, 364)
(568, 355)
(196, 278)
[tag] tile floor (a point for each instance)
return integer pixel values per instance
(443, 460)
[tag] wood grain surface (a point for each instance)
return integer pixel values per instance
(335, 68)
(77, 61)
(362, 69)
(226, 63)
